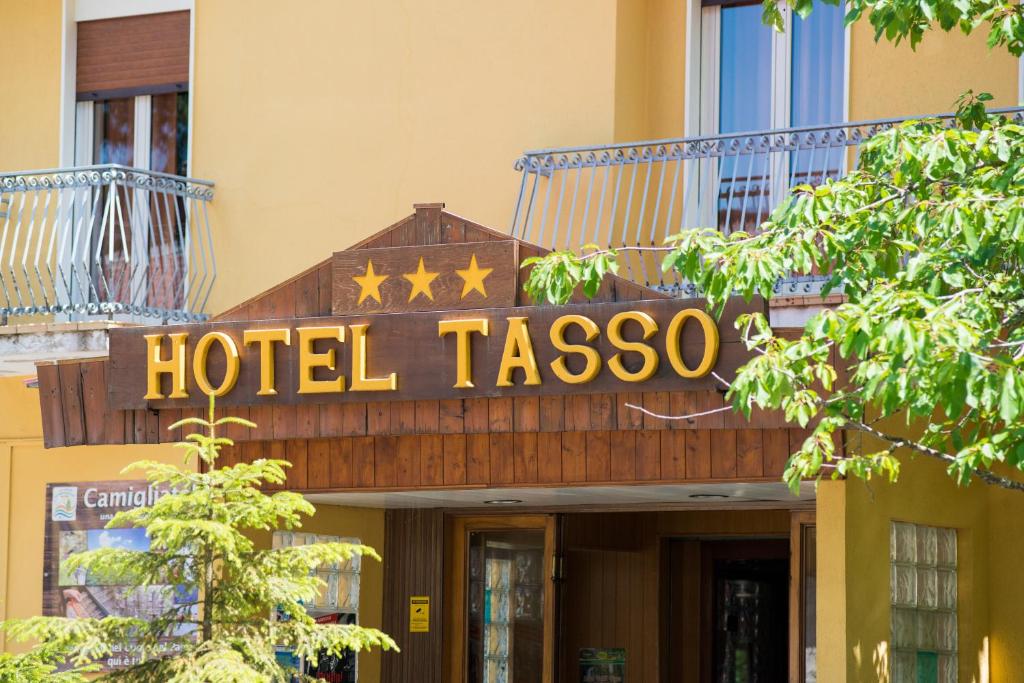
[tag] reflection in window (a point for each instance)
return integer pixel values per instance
(505, 606)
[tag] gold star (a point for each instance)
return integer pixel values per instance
(369, 283)
(473, 278)
(421, 280)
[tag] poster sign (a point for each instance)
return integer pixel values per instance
(602, 665)
(76, 516)
(419, 614)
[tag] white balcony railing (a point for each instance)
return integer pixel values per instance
(105, 241)
(637, 194)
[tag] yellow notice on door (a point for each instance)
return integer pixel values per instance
(419, 614)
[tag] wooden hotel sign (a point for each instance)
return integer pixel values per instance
(646, 345)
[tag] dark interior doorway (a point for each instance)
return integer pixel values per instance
(727, 615)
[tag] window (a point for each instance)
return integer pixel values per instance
(924, 598)
(752, 78)
(132, 109)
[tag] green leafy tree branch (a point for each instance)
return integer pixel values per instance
(925, 239)
(246, 600)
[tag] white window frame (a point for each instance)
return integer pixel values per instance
(703, 36)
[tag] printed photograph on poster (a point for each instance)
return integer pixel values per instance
(76, 521)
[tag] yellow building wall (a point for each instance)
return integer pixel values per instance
(326, 121)
(30, 84)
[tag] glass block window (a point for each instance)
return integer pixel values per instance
(923, 597)
(341, 580)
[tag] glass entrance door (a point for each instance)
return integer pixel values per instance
(505, 600)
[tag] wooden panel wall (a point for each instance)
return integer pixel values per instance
(414, 565)
(612, 594)
(525, 459)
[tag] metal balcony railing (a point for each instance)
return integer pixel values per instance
(106, 240)
(637, 194)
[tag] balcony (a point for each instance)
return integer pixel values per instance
(114, 243)
(637, 194)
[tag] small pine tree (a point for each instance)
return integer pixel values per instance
(234, 603)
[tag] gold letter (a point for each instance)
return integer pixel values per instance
(266, 339)
(518, 353)
(230, 366)
(174, 366)
(650, 365)
(675, 329)
(360, 382)
(590, 353)
(309, 360)
(463, 349)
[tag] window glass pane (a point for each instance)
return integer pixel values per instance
(169, 133)
(505, 607)
(746, 71)
(817, 58)
(114, 133)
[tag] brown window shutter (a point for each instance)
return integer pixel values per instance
(138, 55)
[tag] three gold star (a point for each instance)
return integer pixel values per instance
(420, 280)
(369, 283)
(473, 278)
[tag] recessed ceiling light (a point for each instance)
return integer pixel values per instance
(708, 495)
(503, 501)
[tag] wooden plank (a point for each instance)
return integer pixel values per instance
(285, 420)
(307, 421)
(602, 412)
(385, 451)
(364, 457)
(70, 378)
(478, 459)
(427, 417)
(51, 406)
(298, 454)
(698, 454)
(648, 455)
(94, 392)
(168, 417)
(450, 418)
(502, 459)
(403, 417)
(749, 453)
(353, 419)
(431, 460)
(425, 277)
(307, 295)
(629, 418)
(341, 465)
(656, 402)
(574, 457)
(549, 457)
(407, 461)
(475, 415)
(598, 456)
(525, 464)
(378, 418)
(325, 281)
(673, 455)
(723, 453)
(332, 418)
(776, 451)
(318, 464)
(454, 459)
(263, 416)
(622, 449)
(577, 413)
(526, 413)
(499, 414)
(552, 413)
